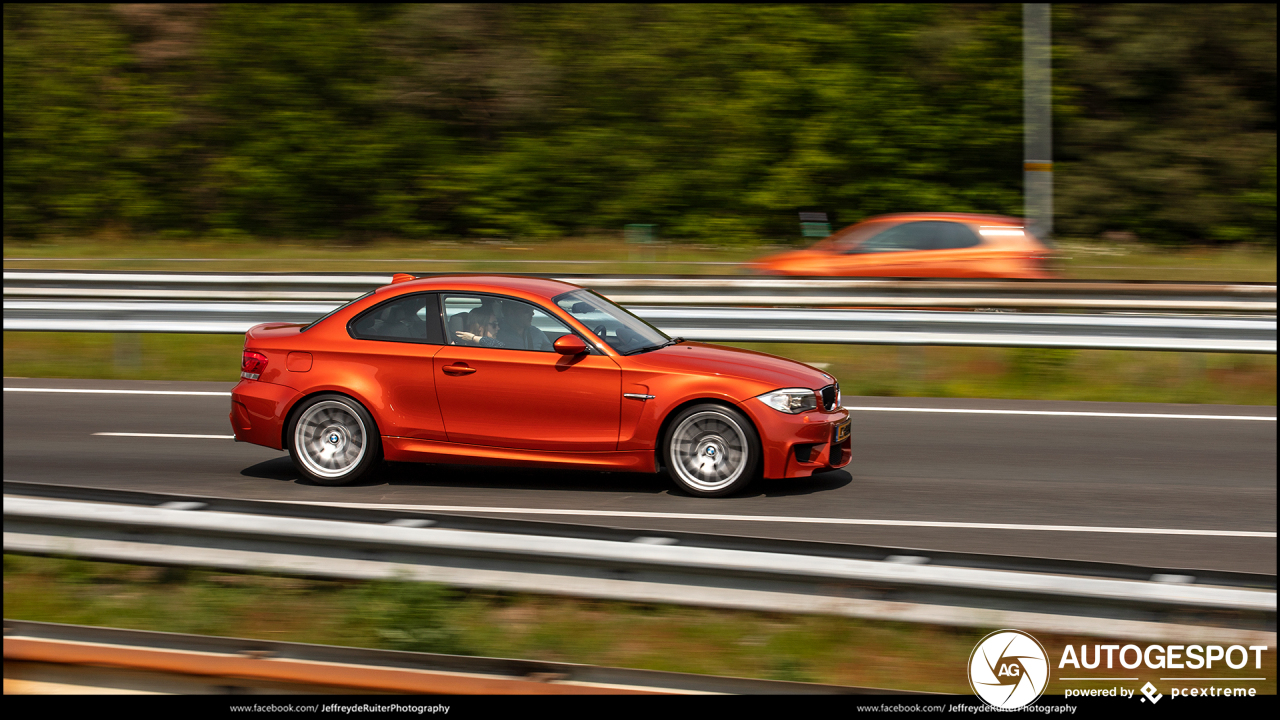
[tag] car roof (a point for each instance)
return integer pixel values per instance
(535, 287)
(962, 217)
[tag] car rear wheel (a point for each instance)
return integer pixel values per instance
(711, 450)
(333, 440)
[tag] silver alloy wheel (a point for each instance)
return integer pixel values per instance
(330, 439)
(709, 451)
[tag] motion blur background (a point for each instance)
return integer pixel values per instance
(348, 137)
(715, 123)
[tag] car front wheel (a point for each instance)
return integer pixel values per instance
(711, 450)
(333, 440)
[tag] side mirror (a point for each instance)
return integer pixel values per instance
(570, 345)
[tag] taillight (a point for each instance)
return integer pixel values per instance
(252, 365)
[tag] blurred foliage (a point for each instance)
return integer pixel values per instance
(1171, 130)
(1040, 365)
(412, 616)
(715, 122)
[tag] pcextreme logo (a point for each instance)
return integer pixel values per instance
(1008, 669)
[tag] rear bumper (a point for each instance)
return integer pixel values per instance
(798, 446)
(258, 412)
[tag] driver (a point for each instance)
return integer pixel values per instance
(518, 332)
(482, 329)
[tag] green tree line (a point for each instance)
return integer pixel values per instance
(714, 122)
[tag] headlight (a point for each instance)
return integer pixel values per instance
(791, 400)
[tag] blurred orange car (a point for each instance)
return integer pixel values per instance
(936, 245)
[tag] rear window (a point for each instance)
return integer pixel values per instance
(408, 318)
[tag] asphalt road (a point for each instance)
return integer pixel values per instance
(1118, 484)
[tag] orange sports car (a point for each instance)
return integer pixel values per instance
(499, 370)
(938, 245)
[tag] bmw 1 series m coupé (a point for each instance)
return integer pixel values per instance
(503, 370)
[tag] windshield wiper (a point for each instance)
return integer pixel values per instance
(647, 348)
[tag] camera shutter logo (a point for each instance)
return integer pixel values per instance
(1008, 669)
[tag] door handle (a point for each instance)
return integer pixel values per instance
(458, 369)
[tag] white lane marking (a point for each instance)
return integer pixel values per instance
(1062, 412)
(115, 392)
(846, 407)
(168, 435)
(806, 520)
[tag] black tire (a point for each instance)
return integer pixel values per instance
(333, 440)
(711, 450)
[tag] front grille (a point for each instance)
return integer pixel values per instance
(830, 397)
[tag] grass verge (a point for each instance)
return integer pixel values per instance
(1080, 258)
(431, 618)
(867, 370)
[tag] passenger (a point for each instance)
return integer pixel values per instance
(459, 320)
(482, 329)
(517, 332)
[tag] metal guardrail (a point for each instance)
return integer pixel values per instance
(230, 662)
(1078, 296)
(722, 324)
(639, 572)
(215, 303)
(581, 530)
(972, 329)
(702, 290)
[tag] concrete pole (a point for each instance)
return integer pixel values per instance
(1037, 119)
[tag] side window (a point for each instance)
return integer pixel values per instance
(412, 318)
(899, 238)
(926, 235)
(953, 236)
(488, 321)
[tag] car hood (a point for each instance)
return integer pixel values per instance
(768, 372)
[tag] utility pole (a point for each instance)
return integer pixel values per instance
(1037, 119)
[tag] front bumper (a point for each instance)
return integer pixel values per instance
(800, 445)
(258, 411)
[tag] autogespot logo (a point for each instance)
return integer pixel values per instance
(1008, 669)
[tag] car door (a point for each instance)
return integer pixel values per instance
(497, 394)
(398, 338)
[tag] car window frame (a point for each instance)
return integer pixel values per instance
(591, 348)
(351, 331)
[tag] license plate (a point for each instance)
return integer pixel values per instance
(842, 431)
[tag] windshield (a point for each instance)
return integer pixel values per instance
(619, 329)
